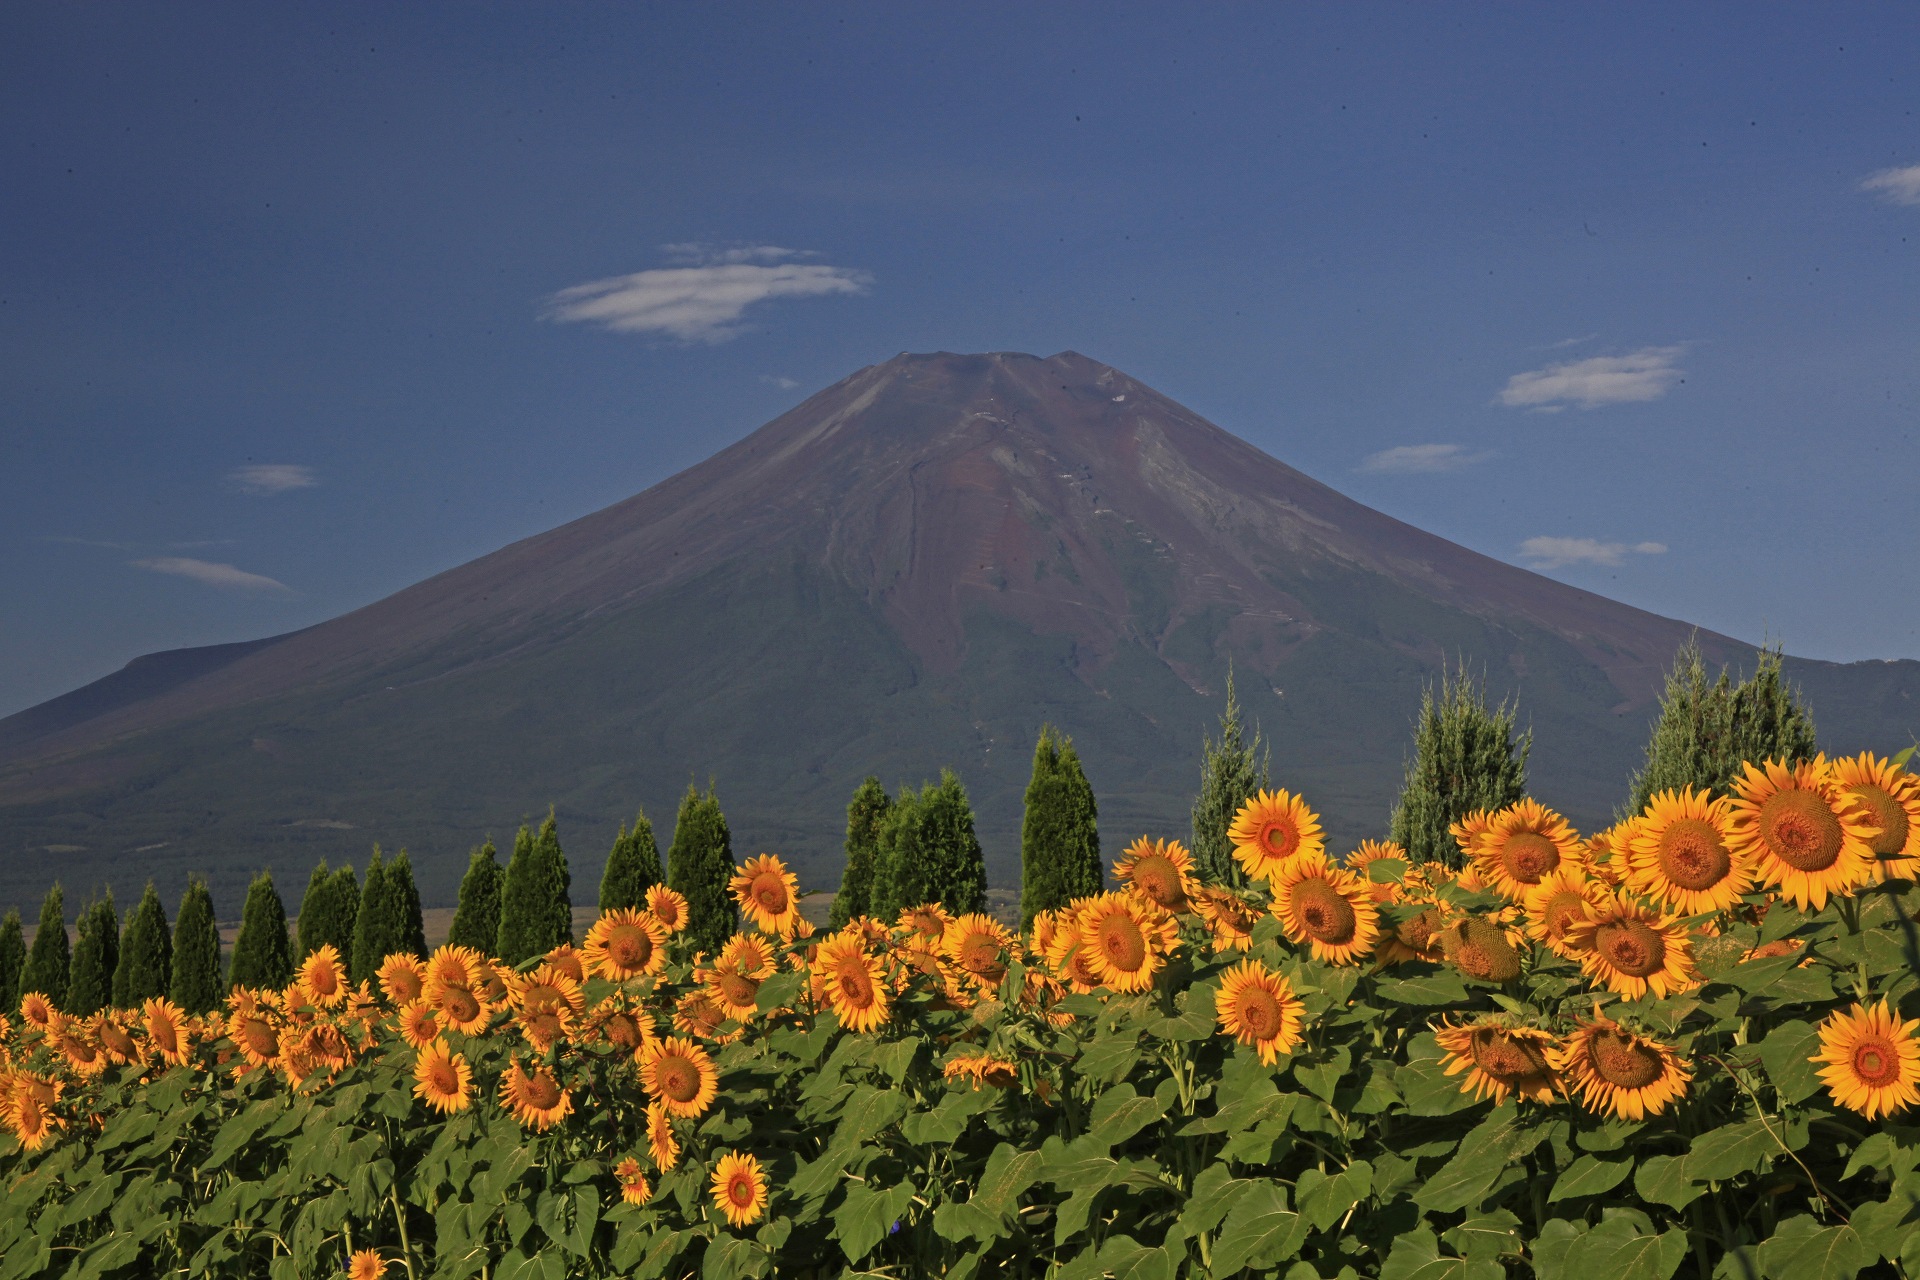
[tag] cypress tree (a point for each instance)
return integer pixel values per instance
(899, 867)
(403, 898)
(1231, 771)
(1465, 757)
(866, 814)
(533, 894)
(263, 953)
(700, 866)
(196, 951)
(476, 919)
(145, 970)
(329, 911)
(956, 869)
(13, 961)
(1059, 836)
(633, 867)
(96, 953)
(556, 884)
(377, 925)
(47, 964)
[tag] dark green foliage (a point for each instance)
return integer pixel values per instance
(1231, 771)
(899, 867)
(476, 919)
(262, 953)
(145, 970)
(557, 882)
(404, 906)
(1706, 730)
(388, 919)
(96, 953)
(1060, 835)
(929, 853)
(47, 964)
(196, 951)
(13, 962)
(699, 867)
(328, 912)
(866, 815)
(536, 914)
(633, 867)
(1465, 757)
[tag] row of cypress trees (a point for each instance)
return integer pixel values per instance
(106, 965)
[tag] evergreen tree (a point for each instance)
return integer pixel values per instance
(329, 911)
(556, 883)
(13, 962)
(96, 953)
(1231, 771)
(47, 963)
(1059, 836)
(196, 951)
(866, 815)
(536, 914)
(378, 928)
(145, 970)
(1706, 731)
(899, 866)
(957, 870)
(1465, 757)
(700, 866)
(476, 919)
(404, 907)
(633, 867)
(262, 953)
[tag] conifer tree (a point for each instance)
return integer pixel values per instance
(956, 870)
(700, 866)
(13, 962)
(96, 953)
(536, 914)
(1231, 771)
(633, 867)
(145, 971)
(48, 965)
(381, 927)
(1465, 757)
(196, 951)
(1059, 836)
(262, 953)
(899, 865)
(403, 906)
(1706, 731)
(328, 912)
(556, 883)
(476, 919)
(866, 814)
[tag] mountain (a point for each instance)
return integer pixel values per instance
(913, 568)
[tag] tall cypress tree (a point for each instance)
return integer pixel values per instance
(899, 865)
(1465, 757)
(866, 814)
(556, 883)
(13, 962)
(329, 911)
(533, 894)
(145, 970)
(196, 951)
(1060, 835)
(1231, 771)
(476, 919)
(956, 869)
(633, 867)
(263, 953)
(403, 900)
(377, 926)
(700, 866)
(96, 953)
(48, 965)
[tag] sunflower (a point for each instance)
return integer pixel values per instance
(112, 1037)
(1415, 938)
(322, 980)
(697, 1014)
(677, 1073)
(1270, 829)
(1159, 870)
(926, 925)
(453, 966)
(1229, 917)
(622, 1028)
(1071, 958)
(668, 906)
(1633, 949)
(982, 1069)
(27, 1108)
(254, 1034)
(1563, 897)
(1523, 843)
(1500, 1060)
(548, 989)
(662, 1145)
(739, 1188)
(1870, 1060)
(1808, 838)
(37, 1009)
(1126, 940)
(1678, 854)
(752, 956)
(1257, 1007)
(768, 893)
(366, 1264)
(545, 1026)
(1370, 852)
(1892, 796)
(1467, 831)
(403, 978)
(626, 944)
(442, 1079)
(419, 1023)
(735, 990)
(977, 945)
(1480, 949)
(460, 1008)
(1619, 1073)
(82, 1052)
(634, 1187)
(537, 1099)
(167, 1030)
(1321, 905)
(1605, 853)
(567, 961)
(851, 983)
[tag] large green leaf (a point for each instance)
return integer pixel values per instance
(1324, 1199)
(1734, 1149)
(1802, 1249)
(1589, 1176)
(1260, 1232)
(1665, 1180)
(867, 1216)
(1417, 1256)
(1786, 1054)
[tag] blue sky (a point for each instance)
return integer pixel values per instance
(301, 305)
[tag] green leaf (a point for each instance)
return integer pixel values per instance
(1486, 1153)
(1260, 1232)
(1665, 1180)
(1440, 989)
(1732, 1150)
(1417, 1256)
(866, 1113)
(1109, 1057)
(1009, 1172)
(1801, 1249)
(1324, 1200)
(731, 1257)
(1786, 1053)
(1386, 871)
(947, 1121)
(1120, 1113)
(1493, 1235)
(1589, 1176)
(1322, 1078)
(867, 1215)
(1215, 1192)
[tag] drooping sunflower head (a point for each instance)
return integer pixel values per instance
(1126, 939)
(1633, 949)
(1159, 870)
(678, 1074)
(442, 1079)
(925, 925)
(1370, 852)
(977, 945)
(1273, 828)
(1257, 1007)
(768, 893)
(1680, 854)
(460, 1007)
(751, 954)
(1417, 937)
(626, 944)
(662, 1146)
(851, 982)
(1070, 957)
(696, 1013)
(112, 1037)
(536, 1098)
(1229, 917)
(739, 1188)
(167, 1030)
(982, 1069)
(1480, 949)
(1806, 837)
(567, 961)
(734, 989)
(1870, 1060)
(418, 1022)
(1500, 1060)
(1561, 899)
(403, 978)
(668, 906)
(1620, 1073)
(323, 979)
(1326, 908)
(634, 1187)
(1890, 796)
(1523, 844)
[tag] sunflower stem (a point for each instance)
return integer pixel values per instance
(400, 1218)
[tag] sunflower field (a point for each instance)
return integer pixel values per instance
(1687, 1045)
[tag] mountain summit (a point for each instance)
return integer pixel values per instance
(913, 568)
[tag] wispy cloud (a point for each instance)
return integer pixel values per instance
(774, 380)
(1646, 374)
(1551, 553)
(1421, 458)
(268, 478)
(1896, 186)
(702, 301)
(224, 576)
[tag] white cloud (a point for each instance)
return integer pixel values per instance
(1551, 553)
(1646, 374)
(703, 301)
(268, 478)
(1421, 458)
(224, 576)
(1896, 186)
(774, 380)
